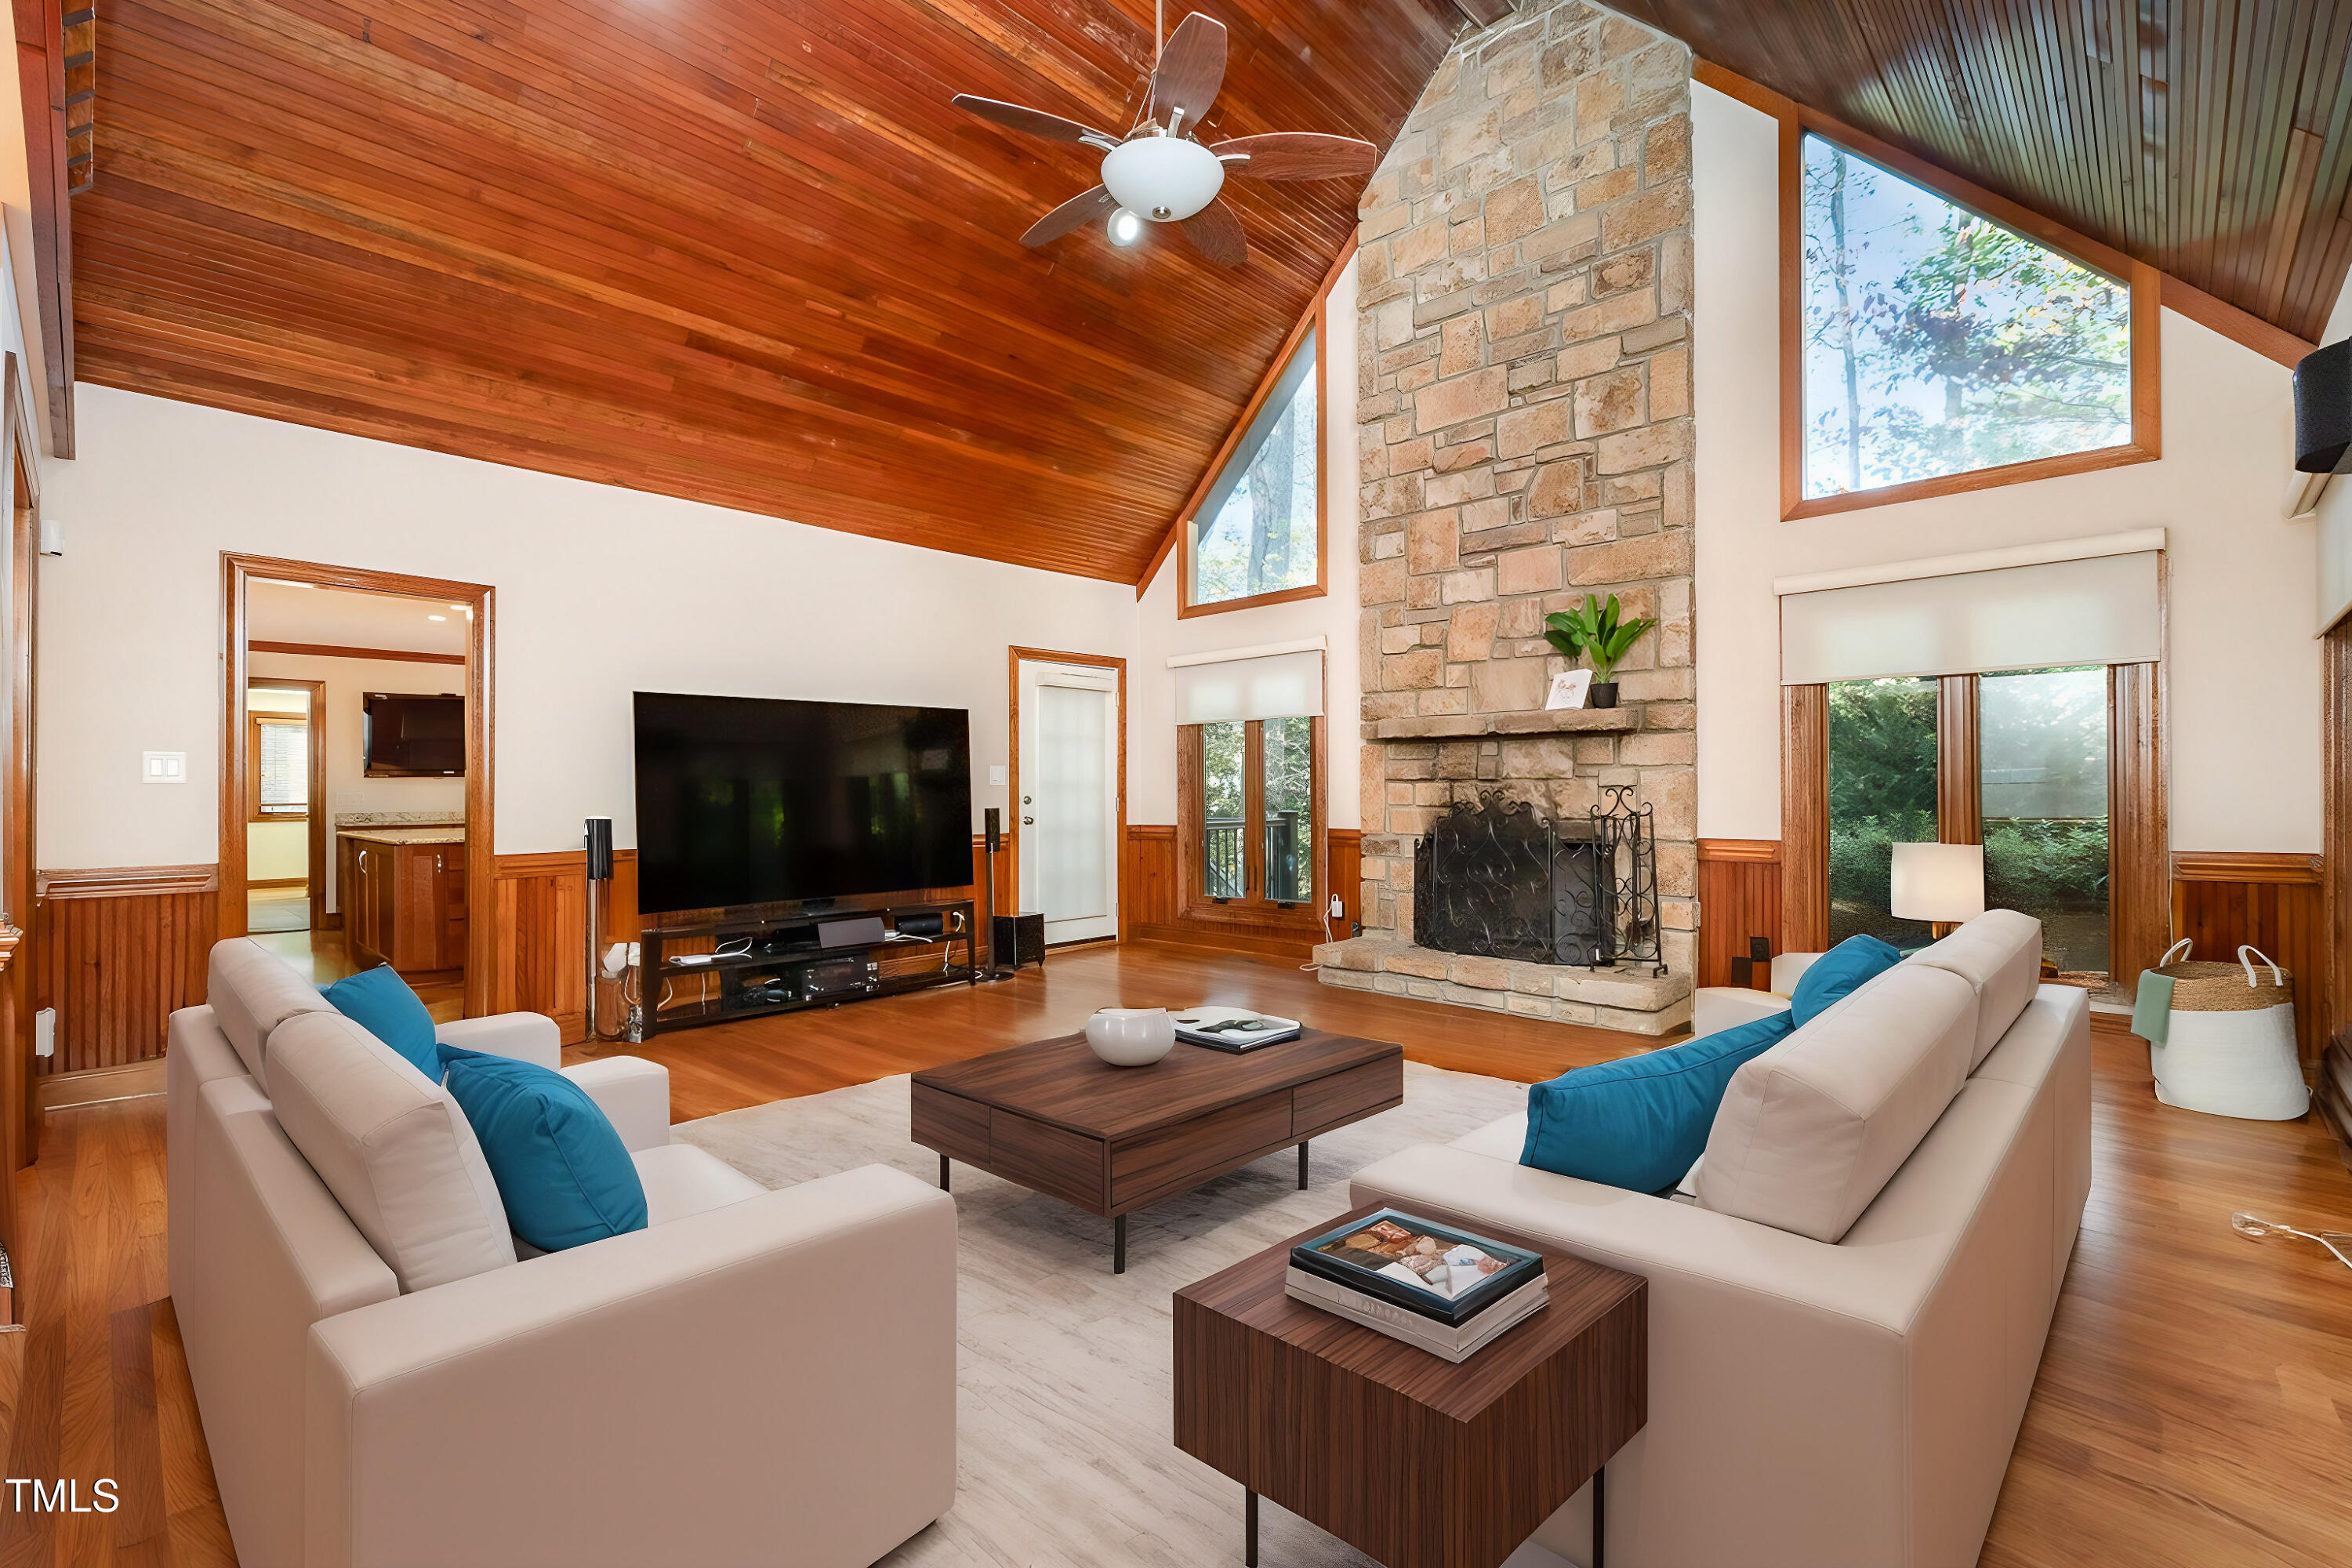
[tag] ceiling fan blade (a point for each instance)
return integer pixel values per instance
(1298, 155)
(1076, 213)
(1191, 70)
(1035, 121)
(1216, 233)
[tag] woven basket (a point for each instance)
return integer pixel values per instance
(2245, 986)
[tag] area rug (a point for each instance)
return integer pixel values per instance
(1062, 1418)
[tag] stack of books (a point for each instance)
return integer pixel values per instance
(1445, 1291)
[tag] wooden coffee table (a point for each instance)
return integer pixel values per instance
(1413, 1460)
(1056, 1119)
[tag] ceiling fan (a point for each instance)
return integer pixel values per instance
(1159, 173)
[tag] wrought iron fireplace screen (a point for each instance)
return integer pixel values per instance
(1498, 879)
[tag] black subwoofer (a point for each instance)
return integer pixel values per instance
(1015, 939)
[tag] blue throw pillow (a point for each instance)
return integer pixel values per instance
(1837, 974)
(380, 1002)
(561, 1171)
(1641, 1122)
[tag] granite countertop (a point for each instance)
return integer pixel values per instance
(406, 835)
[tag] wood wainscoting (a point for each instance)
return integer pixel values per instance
(1151, 903)
(1739, 901)
(121, 951)
(2274, 902)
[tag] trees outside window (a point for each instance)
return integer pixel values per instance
(1257, 534)
(1250, 817)
(1882, 792)
(1935, 342)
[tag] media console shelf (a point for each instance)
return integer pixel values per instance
(694, 975)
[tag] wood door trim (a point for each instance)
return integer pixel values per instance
(1118, 666)
(2140, 862)
(1761, 852)
(2335, 827)
(237, 571)
(19, 841)
(1959, 759)
(126, 881)
(1313, 318)
(2230, 866)
(314, 878)
(337, 650)
(1804, 818)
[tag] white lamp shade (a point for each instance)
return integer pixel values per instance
(1164, 178)
(1937, 882)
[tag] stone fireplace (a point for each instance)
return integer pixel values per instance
(1523, 388)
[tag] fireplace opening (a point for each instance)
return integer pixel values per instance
(1497, 878)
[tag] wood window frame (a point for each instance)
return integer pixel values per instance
(2147, 287)
(1179, 539)
(237, 575)
(2139, 860)
(1253, 909)
(1013, 658)
(314, 877)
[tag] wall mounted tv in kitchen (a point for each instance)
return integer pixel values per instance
(408, 735)
(749, 801)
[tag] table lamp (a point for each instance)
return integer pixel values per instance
(1942, 883)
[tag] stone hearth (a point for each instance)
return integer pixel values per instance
(1626, 998)
(1523, 340)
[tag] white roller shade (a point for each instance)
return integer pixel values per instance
(2103, 610)
(1272, 686)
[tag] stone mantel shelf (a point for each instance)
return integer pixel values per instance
(1558, 720)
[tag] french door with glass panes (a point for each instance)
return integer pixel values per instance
(1250, 813)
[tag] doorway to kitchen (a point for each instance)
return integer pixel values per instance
(356, 774)
(1068, 784)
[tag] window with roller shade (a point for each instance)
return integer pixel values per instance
(1249, 741)
(2022, 656)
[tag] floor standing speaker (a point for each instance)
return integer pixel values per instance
(1015, 939)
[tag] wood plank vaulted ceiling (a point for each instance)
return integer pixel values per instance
(741, 251)
(2211, 138)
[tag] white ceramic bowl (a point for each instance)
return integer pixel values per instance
(1131, 1036)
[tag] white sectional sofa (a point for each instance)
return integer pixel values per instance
(757, 1376)
(1845, 1403)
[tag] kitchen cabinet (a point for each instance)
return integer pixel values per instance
(403, 901)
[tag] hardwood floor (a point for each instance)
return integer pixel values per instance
(2194, 1408)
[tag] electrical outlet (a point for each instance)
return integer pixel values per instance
(1759, 949)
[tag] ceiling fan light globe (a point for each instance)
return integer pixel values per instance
(1126, 228)
(1164, 178)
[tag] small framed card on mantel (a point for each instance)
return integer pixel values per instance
(1567, 690)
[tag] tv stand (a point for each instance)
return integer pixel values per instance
(718, 970)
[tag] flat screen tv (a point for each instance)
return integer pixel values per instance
(413, 735)
(744, 800)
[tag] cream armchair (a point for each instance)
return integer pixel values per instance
(757, 1375)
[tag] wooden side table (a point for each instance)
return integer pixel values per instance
(1413, 1460)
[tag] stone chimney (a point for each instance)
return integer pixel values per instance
(1525, 388)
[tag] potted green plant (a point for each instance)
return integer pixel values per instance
(1593, 629)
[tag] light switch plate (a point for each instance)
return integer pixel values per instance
(163, 767)
(998, 775)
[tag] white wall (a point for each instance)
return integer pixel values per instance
(1151, 688)
(601, 591)
(2243, 684)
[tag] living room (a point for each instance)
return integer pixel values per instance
(1456, 826)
